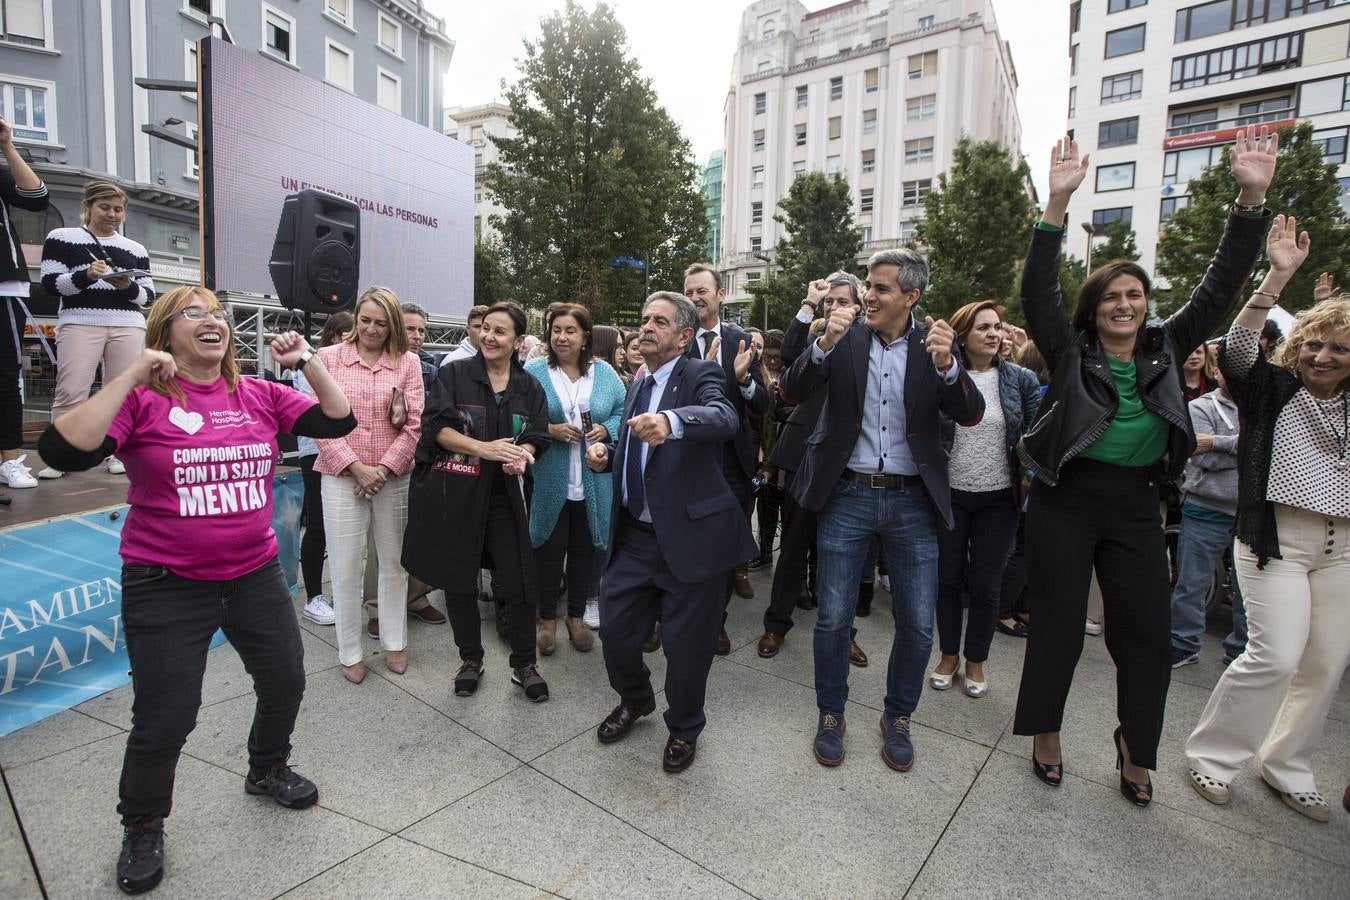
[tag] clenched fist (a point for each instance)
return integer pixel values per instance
(939, 342)
(839, 322)
(597, 457)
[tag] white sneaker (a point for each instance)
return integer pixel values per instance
(885, 583)
(49, 472)
(1092, 627)
(15, 474)
(319, 611)
(115, 466)
(592, 618)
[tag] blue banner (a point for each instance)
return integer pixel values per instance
(61, 639)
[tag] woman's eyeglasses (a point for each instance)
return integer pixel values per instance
(196, 314)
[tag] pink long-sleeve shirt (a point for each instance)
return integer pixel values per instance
(369, 389)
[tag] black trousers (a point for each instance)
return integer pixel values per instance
(169, 622)
(1106, 516)
(971, 558)
(639, 588)
(740, 486)
(11, 364)
(795, 549)
(502, 544)
(1012, 593)
(314, 543)
(768, 503)
(570, 541)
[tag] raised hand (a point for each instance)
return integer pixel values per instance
(1067, 168)
(287, 348)
(745, 354)
(1324, 288)
(1285, 247)
(1253, 162)
(816, 290)
(152, 364)
(840, 321)
(939, 341)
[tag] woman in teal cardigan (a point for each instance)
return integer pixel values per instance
(569, 512)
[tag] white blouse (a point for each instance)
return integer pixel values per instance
(572, 394)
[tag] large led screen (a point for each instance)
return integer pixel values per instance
(268, 131)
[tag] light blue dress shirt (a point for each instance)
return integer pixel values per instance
(660, 377)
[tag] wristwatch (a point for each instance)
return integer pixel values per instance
(814, 304)
(304, 358)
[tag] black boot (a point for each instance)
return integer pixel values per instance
(140, 866)
(865, 599)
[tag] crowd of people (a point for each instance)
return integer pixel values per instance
(986, 478)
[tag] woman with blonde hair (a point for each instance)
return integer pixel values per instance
(101, 318)
(365, 475)
(1292, 555)
(199, 443)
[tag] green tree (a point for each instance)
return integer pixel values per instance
(1304, 185)
(490, 283)
(598, 170)
(1119, 243)
(1072, 274)
(977, 226)
(819, 238)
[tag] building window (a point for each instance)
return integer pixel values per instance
(1118, 132)
(799, 167)
(869, 162)
(1073, 60)
(1238, 61)
(757, 213)
(1332, 143)
(869, 121)
(925, 22)
(757, 176)
(29, 107)
(756, 244)
(278, 29)
(866, 235)
(752, 277)
(836, 127)
(1327, 95)
(1203, 20)
(1126, 86)
(833, 165)
(1103, 217)
(1115, 6)
(1075, 16)
(919, 150)
(922, 65)
(1193, 121)
(1073, 101)
(337, 68)
(1169, 206)
(865, 200)
(340, 10)
(1180, 166)
(391, 36)
(800, 138)
(190, 67)
(870, 82)
(769, 29)
(759, 139)
(390, 91)
(24, 22)
(837, 88)
(803, 94)
(1222, 16)
(761, 104)
(1117, 177)
(201, 6)
(1124, 41)
(907, 230)
(918, 108)
(1268, 110)
(913, 192)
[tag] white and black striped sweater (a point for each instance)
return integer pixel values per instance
(66, 254)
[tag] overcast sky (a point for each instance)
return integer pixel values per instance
(686, 49)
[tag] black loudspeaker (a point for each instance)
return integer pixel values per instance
(316, 257)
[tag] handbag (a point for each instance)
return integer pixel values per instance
(398, 410)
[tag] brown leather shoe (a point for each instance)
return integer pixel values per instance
(679, 755)
(620, 720)
(744, 589)
(653, 641)
(770, 644)
(856, 654)
(581, 637)
(545, 638)
(429, 614)
(723, 647)
(373, 627)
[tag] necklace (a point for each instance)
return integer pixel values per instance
(1340, 464)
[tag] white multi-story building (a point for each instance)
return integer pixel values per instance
(474, 125)
(878, 90)
(1158, 88)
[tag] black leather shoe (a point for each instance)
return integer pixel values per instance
(621, 719)
(653, 641)
(679, 755)
(141, 863)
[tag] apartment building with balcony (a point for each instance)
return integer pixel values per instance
(877, 90)
(475, 125)
(1157, 89)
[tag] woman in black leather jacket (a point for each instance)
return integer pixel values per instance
(1112, 425)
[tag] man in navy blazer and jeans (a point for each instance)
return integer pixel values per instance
(677, 529)
(875, 468)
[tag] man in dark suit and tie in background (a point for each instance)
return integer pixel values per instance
(677, 529)
(730, 348)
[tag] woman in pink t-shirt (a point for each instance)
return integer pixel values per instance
(198, 550)
(365, 475)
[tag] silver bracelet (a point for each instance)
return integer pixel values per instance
(1275, 297)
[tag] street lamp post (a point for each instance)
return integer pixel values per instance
(767, 263)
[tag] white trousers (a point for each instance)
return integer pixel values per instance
(346, 519)
(1273, 700)
(79, 350)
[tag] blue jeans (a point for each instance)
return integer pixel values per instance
(904, 521)
(1200, 549)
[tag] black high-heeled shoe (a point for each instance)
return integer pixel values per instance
(1130, 789)
(1045, 770)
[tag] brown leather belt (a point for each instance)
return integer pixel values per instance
(880, 482)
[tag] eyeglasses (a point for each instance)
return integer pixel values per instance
(196, 314)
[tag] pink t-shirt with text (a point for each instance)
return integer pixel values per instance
(201, 475)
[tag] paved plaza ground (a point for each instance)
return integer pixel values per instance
(424, 794)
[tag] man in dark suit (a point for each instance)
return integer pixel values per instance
(729, 346)
(676, 529)
(875, 469)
